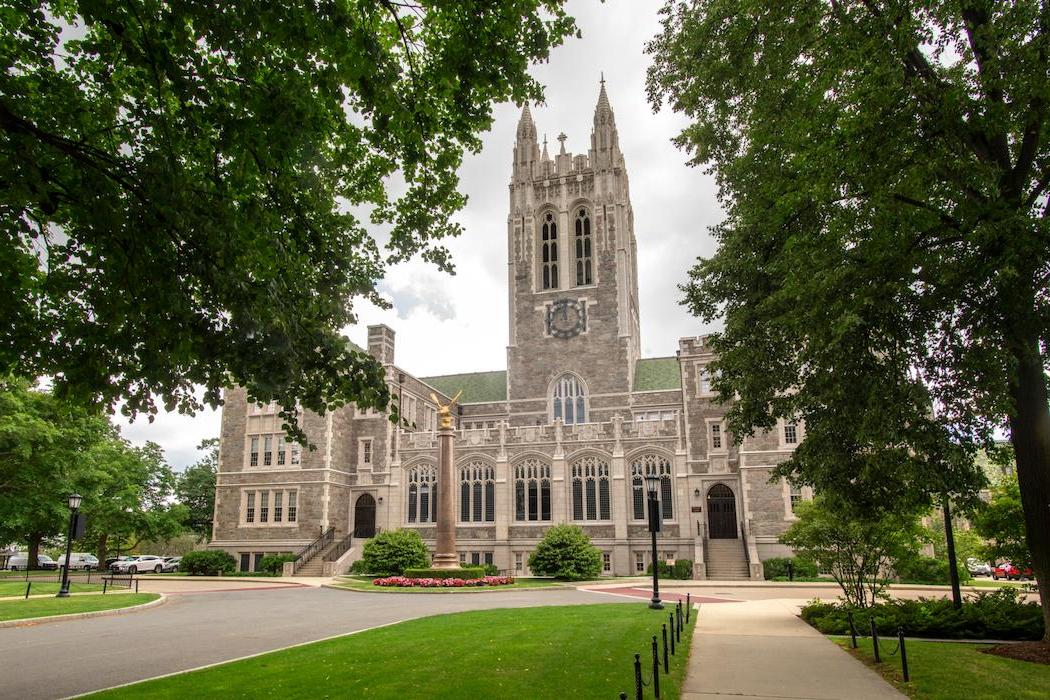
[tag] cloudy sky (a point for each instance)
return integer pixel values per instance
(448, 324)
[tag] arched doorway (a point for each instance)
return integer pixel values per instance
(365, 516)
(721, 513)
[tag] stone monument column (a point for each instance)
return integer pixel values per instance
(445, 556)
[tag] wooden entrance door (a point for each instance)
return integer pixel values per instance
(721, 513)
(365, 516)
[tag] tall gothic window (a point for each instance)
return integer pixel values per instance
(583, 247)
(549, 251)
(569, 400)
(643, 467)
(477, 493)
(422, 494)
(590, 490)
(532, 491)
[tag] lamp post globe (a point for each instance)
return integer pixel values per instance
(73, 501)
(652, 487)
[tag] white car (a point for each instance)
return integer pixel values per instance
(79, 560)
(20, 561)
(139, 564)
(978, 568)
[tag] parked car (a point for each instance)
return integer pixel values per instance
(79, 560)
(978, 568)
(1010, 572)
(112, 560)
(171, 565)
(139, 564)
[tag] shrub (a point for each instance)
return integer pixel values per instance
(209, 562)
(358, 567)
(390, 553)
(927, 570)
(491, 570)
(777, 568)
(465, 572)
(274, 563)
(681, 569)
(1001, 614)
(565, 552)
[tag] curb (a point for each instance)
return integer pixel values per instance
(450, 590)
(33, 621)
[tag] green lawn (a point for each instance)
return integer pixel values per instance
(10, 588)
(579, 651)
(947, 671)
(46, 607)
(364, 583)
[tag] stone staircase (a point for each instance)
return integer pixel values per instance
(314, 566)
(726, 560)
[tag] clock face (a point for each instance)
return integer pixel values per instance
(566, 318)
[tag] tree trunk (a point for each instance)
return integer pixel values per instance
(33, 559)
(1030, 436)
(102, 551)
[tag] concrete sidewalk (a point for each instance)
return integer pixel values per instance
(760, 649)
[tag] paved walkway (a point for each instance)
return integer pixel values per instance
(760, 649)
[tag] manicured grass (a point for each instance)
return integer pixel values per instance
(46, 607)
(579, 651)
(989, 583)
(947, 671)
(10, 588)
(364, 583)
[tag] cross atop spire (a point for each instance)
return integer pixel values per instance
(603, 102)
(561, 138)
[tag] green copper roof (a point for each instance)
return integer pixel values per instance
(477, 387)
(656, 374)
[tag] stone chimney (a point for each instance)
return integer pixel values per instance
(381, 343)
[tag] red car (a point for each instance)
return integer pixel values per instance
(1009, 571)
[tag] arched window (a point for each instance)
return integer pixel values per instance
(532, 491)
(422, 494)
(642, 467)
(477, 493)
(569, 400)
(549, 251)
(582, 244)
(590, 490)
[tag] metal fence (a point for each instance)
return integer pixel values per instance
(876, 649)
(678, 620)
(79, 581)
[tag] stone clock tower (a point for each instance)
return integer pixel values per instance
(572, 269)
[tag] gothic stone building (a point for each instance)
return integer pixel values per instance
(565, 434)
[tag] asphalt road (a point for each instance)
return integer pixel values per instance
(60, 659)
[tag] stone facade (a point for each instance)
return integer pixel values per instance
(563, 435)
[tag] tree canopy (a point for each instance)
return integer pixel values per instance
(195, 489)
(187, 187)
(884, 168)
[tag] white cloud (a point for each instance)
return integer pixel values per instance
(447, 324)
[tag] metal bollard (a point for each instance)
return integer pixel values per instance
(136, 585)
(678, 626)
(875, 639)
(688, 605)
(667, 668)
(671, 619)
(904, 654)
(656, 668)
(29, 584)
(852, 628)
(638, 677)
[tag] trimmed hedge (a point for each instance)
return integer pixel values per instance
(466, 573)
(274, 563)
(391, 552)
(777, 568)
(209, 562)
(1001, 614)
(682, 569)
(566, 553)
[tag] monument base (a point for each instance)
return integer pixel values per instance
(445, 561)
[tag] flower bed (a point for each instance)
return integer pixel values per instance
(402, 581)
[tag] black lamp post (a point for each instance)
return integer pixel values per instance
(74, 506)
(652, 486)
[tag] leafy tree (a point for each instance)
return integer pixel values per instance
(1001, 523)
(42, 443)
(209, 562)
(130, 497)
(566, 552)
(884, 168)
(187, 185)
(392, 551)
(858, 551)
(195, 489)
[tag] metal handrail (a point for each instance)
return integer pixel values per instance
(309, 551)
(747, 554)
(340, 549)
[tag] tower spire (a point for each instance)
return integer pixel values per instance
(526, 127)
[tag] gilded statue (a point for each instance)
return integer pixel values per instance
(445, 410)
